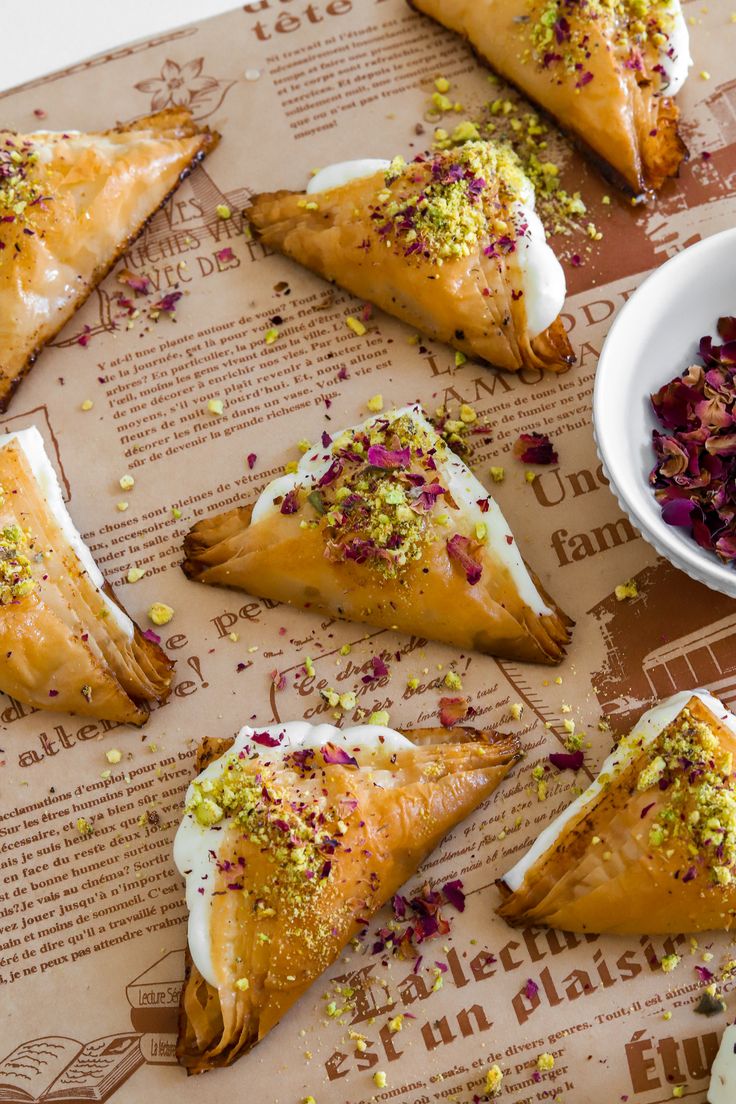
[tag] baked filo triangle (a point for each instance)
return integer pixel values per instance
(449, 243)
(384, 524)
(605, 70)
(66, 642)
(70, 205)
(650, 847)
(293, 837)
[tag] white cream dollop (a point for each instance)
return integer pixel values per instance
(675, 56)
(31, 442)
(343, 172)
(540, 273)
(722, 1088)
(646, 730)
(194, 843)
(464, 487)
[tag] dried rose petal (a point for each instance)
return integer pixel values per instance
(381, 457)
(453, 891)
(530, 989)
(151, 636)
(338, 756)
(453, 710)
(459, 549)
(695, 471)
(290, 505)
(265, 739)
(535, 448)
(251, 460)
(566, 760)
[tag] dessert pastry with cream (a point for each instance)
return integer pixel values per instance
(293, 837)
(722, 1089)
(650, 847)
(449, 243)
(70, 205)
(607, 72)
(384, 524)
(66, 642)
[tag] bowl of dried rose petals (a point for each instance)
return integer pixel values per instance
(664, 410)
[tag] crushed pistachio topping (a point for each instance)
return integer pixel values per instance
(160, 613)
(16, 578)
(626, 591)
(545, 1062)
(19, 190)
(377, 503)
(494, 1079)
(638, 31)
(283, 805)
(689, 766)
(445, 206)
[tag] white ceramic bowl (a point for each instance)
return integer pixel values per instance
(653, 338)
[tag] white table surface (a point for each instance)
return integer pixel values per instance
(52, 34)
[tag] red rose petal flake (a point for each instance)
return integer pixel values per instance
(139, 285)
(252, 457)
(225, 255)
(381, 457)
(338, 756)
(531, 989)
(535, 448)
(566, 760)
(151, 636)
(460, 550)
(265, 739)
(453, 710)
(694, 477)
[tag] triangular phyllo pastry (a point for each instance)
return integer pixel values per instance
(607, 73)
(449, 243)
(650, 847)
(66, 642)
(384, 524)
(292, 839)
(70, 205)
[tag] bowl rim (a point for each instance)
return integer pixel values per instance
(700, 564)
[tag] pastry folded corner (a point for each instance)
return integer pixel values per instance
(622, 120)
(650, 847)
(473, 302)
(442, 779)
(87, 200)
(67, 643)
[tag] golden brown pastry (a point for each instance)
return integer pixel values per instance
(650, 847)
(449, 243)
(66, 642)
(607, 73)
(385, 525)
(293, 837)
(70, 205)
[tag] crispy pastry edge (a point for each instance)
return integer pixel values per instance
(210, 139)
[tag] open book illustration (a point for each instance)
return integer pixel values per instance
(60, 1069)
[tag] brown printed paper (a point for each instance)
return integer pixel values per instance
(92, 929)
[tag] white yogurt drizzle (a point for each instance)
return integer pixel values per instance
(644, 733)
(677, 65)
(540, 273)
(193, 844)
(31, 443)
(722, 1088)
(458, 479)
